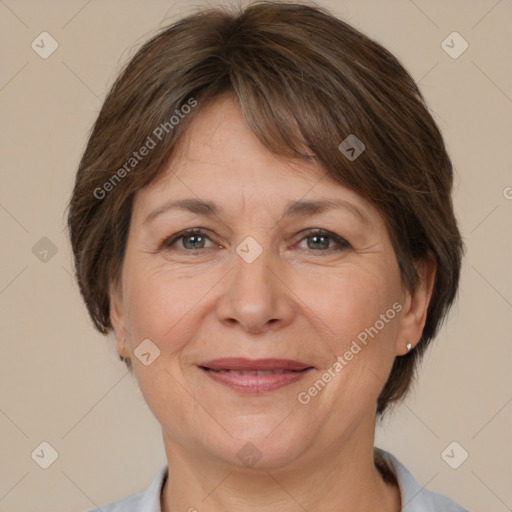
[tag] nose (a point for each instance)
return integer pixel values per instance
(256, 297)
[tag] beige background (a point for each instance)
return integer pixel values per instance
(61, 381)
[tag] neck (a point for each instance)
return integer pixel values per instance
(340, 479)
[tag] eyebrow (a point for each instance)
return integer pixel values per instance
(301, 208)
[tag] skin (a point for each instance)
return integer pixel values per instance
(300, 299)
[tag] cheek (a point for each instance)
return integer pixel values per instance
(352, 302)
(160, 307)
(160, 303)
(359, 333)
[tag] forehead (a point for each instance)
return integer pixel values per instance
(219, 137)
(220, 159)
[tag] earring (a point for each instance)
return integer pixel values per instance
(409, 347)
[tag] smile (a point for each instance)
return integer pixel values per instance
(255, 376)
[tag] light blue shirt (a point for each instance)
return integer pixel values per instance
(414, 497)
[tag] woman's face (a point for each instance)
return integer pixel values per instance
(257, 283)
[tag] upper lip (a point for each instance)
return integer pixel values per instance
(242, 363)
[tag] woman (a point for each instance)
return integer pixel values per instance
(263, 217)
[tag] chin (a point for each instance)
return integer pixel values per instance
(260, 446)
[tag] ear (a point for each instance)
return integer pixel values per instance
(117, 319)
(415, 306)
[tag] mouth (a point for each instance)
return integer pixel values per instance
(255, 376)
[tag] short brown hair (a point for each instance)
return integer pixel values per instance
(303, 79)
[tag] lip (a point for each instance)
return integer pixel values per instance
(242, 363)
(287, 371)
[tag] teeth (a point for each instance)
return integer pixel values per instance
(253, 372)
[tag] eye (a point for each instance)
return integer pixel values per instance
(195, 239)
(320, 239)
(191, 239)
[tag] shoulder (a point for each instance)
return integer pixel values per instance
(414, 497)
(146, 501)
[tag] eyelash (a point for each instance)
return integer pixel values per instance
(168, 242)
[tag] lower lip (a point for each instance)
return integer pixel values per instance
(254, 384)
